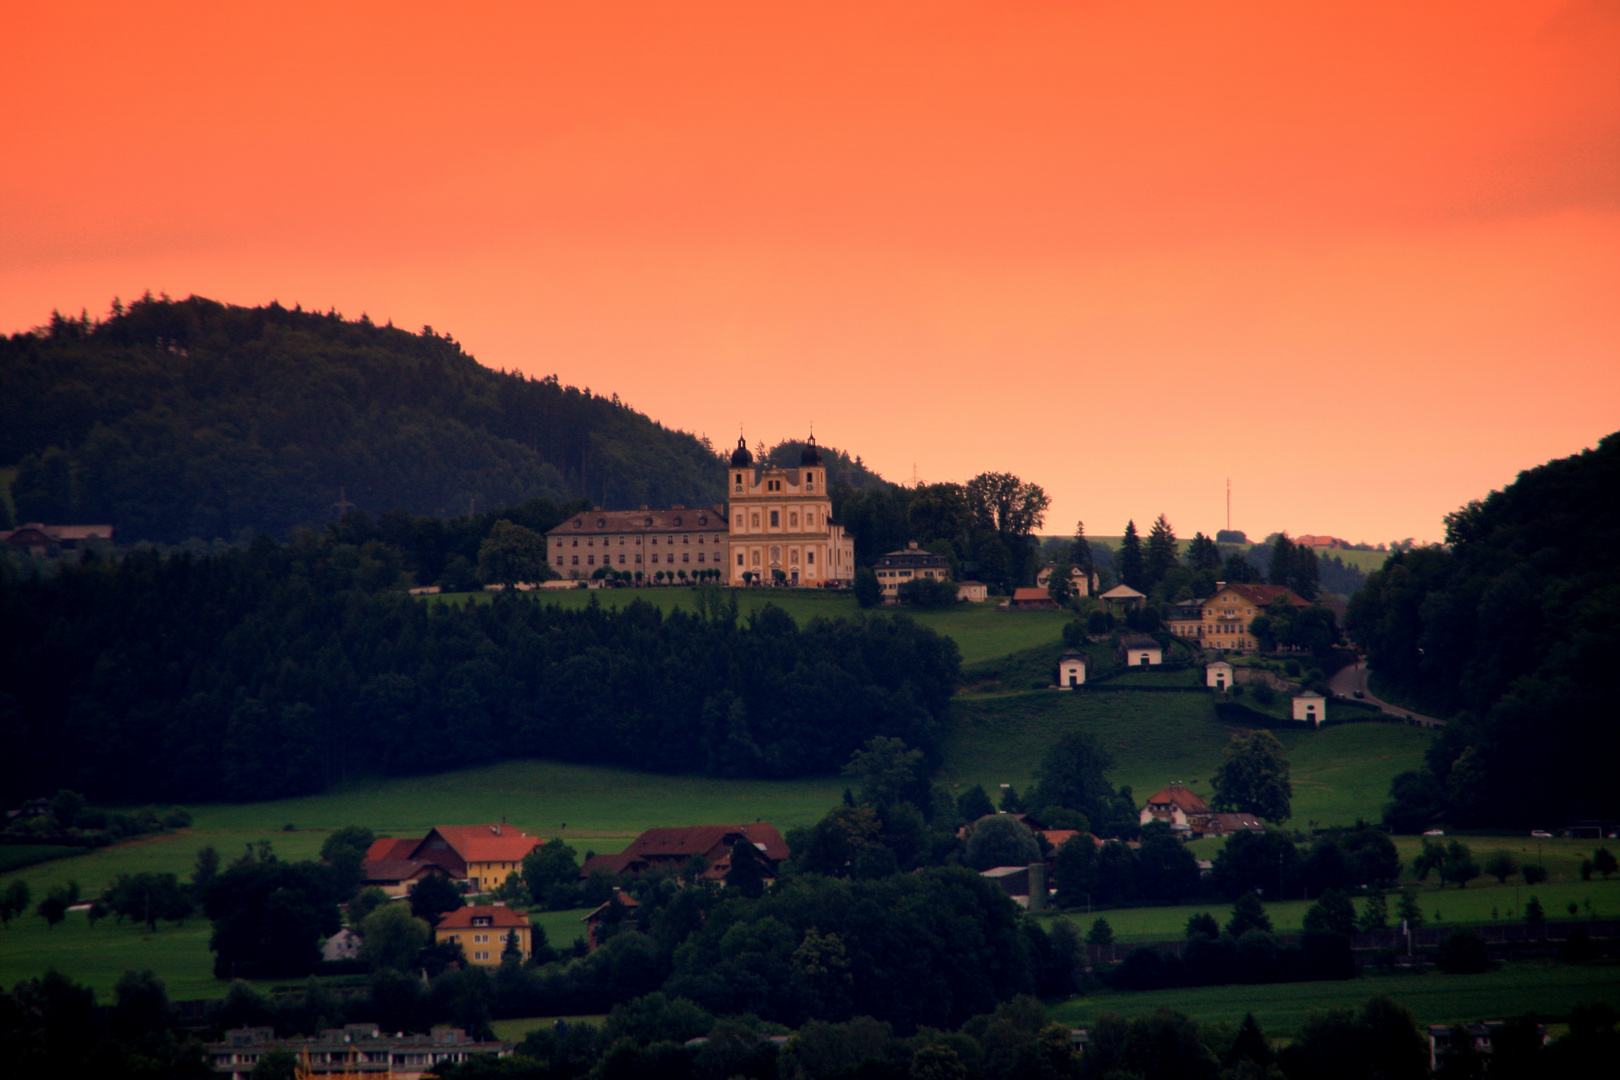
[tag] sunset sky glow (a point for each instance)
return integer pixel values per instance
(1363, 259)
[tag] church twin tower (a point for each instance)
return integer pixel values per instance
(777, 527)
(782, 528)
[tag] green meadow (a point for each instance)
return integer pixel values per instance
(981, 631)
(1434, 998)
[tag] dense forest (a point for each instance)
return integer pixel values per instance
(275, 669)
(1512, 627)
(180, 419)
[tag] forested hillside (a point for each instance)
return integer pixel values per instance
(1515, 625)
(278, 669)
(179, 419)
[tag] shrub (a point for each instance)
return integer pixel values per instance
(1462, 952)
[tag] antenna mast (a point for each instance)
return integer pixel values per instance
(1228, 504)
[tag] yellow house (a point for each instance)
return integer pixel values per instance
(483, 932)
(781, 522)
(1229, 613)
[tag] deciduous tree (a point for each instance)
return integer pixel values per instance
(1253, 777)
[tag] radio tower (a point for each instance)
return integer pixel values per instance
(1228, 504)
(343, 505)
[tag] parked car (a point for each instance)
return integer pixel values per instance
(1361, 693)
(1434, 832)
(1541, 834)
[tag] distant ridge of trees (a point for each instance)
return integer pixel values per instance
(1512, 627)
(175, 419)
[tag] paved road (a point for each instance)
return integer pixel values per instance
(1348, 680)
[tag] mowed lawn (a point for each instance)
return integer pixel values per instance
(1434, 998)
(981, 631)
(1339, 773)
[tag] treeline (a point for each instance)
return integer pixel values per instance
(1512, 628)
(276, 669)
(985, 527)
(180, 419)
(53, 1027)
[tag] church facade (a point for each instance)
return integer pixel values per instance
(781, 526)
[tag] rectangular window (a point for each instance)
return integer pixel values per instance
(686, 556)
(739, 558)
(776, 518)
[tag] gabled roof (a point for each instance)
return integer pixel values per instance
(1262, 595)
(1177, 795)
(1025, 596)
(624, 899)
(1122, 592)
(684, 842)
(385, 848)
(693, 519)
(497, 914)
(396, 870)
(1139, 641)
(486, 843)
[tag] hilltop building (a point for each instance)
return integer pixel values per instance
(898, 567)
(353, 1050)
(1227, 616)
(782, 526)
(675, 542)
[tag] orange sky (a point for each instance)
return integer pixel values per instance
(1362, 258)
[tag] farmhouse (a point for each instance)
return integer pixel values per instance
(673, 848)
(481, 855)
(1084, 584)
(1176, 806)
(483, 932)
(38, 538)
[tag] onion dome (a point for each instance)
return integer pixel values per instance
(740, 457)
(811, 454)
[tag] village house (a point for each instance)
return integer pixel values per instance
(1191, 818)
(972, 592)
(620, 909)
(674, 848)
(480, 855)
(483, 931)
(898, 567)
(352, 1050)
(1229, 613)
(1084, 584)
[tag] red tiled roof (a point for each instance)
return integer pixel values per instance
(393, 870)
(1021, 596)
(1262, 595)
(386, 848)
(1179, 796)
(625, 901)
(462, 918)
(692, 840)
(487, 843)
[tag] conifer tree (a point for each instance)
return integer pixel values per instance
(1162, 554)
(1130, 559)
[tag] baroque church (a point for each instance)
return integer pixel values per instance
(777, 526)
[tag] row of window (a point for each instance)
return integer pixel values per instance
(776, 557)
(775, 518)
(607, 560)
(772, 485)
(607, 541)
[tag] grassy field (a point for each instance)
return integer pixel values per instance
(17, 856)
(1339, 773)
(1434, 998)
(981, 631)
(1475, 904)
